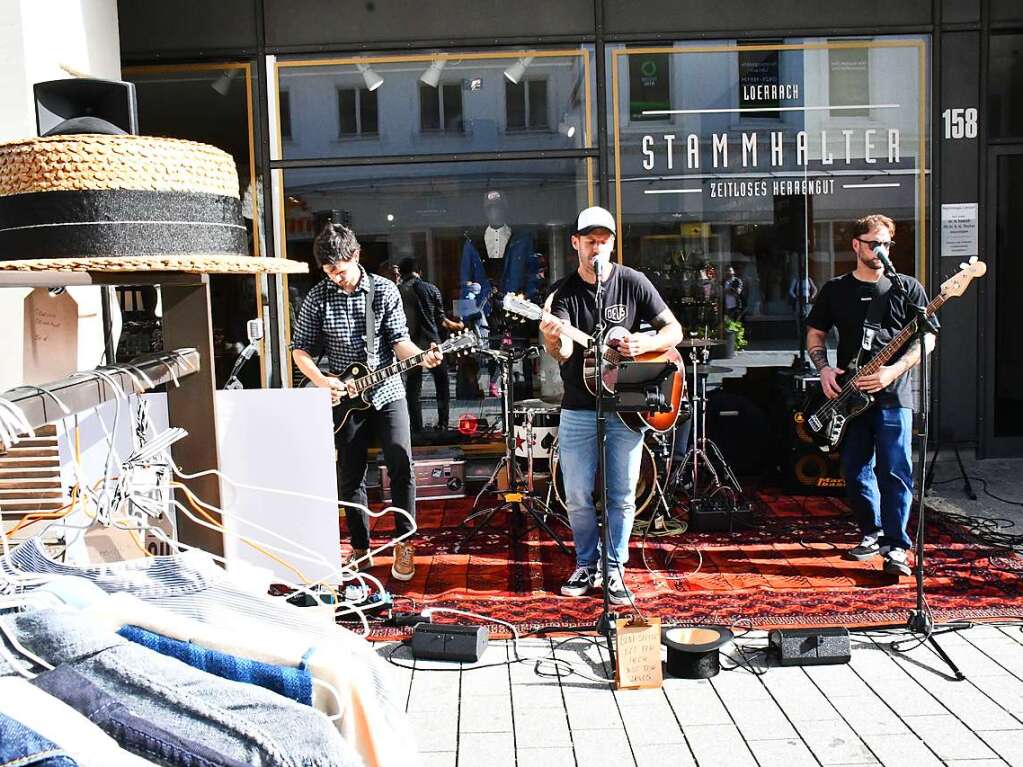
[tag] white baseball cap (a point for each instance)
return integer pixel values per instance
(594, 218)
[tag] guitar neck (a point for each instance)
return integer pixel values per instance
(572, 332)
(892, 347)
(379, 376)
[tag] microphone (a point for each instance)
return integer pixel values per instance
(882, 255)
(601, 263)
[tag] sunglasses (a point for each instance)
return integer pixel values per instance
(874, 243)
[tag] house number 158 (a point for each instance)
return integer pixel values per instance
(960, 123)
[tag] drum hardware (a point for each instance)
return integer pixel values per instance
(519, 498)
(722, 493)
(699, 343)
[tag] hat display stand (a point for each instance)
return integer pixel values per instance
(113, 210)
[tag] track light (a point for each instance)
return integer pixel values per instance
(223, 83)
(515, 72)
(371, 78)
(566, 127)
(431, 76)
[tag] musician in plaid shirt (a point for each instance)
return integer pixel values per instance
(333, 318)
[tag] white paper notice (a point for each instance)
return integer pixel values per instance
(959, 229)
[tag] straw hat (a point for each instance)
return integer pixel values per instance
(93, 202)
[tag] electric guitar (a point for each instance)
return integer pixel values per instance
(359, 380)
(826, 420)
(608, 374)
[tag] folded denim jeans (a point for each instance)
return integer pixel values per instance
(241, 722)
(131, 732)
(21, 746)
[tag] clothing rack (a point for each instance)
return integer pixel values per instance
(187, 327)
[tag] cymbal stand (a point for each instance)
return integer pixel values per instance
(519, 498)
(703, 451)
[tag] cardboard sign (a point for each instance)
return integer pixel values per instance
(638, 653)
(51, 336)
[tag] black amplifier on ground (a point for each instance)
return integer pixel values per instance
(454, 642)
(810, 647)
(719, 514)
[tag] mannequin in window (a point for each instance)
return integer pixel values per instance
(502, 260)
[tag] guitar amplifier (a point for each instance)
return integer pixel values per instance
(441, 475)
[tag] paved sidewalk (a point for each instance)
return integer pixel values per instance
(882, 708)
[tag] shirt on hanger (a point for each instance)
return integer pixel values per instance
(193, 586)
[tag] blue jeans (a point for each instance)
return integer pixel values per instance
(577, 445)
(876, 464)
(27, 748)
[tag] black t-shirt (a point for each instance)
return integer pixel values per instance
(843, 302)
(630, 299)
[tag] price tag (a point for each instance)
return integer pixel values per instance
(638, 653)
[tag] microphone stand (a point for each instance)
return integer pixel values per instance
(920, 620)
(606, 623)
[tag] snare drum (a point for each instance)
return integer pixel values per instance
(536, 431)
(646, 488)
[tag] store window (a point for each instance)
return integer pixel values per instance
(356, 112)
(526, 105)
(468, 102)
(477, 231)
(210, 103)
(760, 163)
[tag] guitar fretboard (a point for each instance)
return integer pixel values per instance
(892, 347)
(379, 376)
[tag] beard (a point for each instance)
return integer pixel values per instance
(870, 260)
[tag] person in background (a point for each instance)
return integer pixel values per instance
(424, 310)
(734, 298)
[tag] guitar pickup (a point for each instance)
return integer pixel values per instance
(814, 423)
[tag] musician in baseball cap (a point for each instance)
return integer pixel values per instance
(629, 299)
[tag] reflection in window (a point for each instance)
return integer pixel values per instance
(760, 80)
(476, 231)
(357, 112)
(849, 80)
(440, 109)
(285, 115)
(649, 85)
(526, 105)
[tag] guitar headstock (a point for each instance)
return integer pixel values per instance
(461, 343)
(519, 305)
(956, 284)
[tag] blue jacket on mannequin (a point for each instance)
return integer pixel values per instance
(520, 274)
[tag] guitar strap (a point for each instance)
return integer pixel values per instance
(371, 328)
(872, 324)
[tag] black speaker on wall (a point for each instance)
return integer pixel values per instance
(83, 105)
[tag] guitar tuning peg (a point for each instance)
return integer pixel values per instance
(964, 265)
(973, 259)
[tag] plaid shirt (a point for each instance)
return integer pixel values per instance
(330, 315)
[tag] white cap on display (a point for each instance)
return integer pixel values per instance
(594, 218)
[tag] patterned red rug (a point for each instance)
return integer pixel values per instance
(786, 569)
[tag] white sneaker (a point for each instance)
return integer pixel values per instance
(896, 562)
(579, 584)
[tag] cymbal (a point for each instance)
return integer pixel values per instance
(689, 343)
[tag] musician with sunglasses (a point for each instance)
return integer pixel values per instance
(876, 450)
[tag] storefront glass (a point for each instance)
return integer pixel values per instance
(757, 157)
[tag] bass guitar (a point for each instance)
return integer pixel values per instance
(608, 375)
(826, 420)
(359, 380)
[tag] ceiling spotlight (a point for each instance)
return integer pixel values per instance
(515, 72)
(223, 83)
(390, 217)
(566, 127)
(432, 74)
(371, 78)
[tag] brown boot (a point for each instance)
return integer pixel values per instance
(404, 567)
(358, 560)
